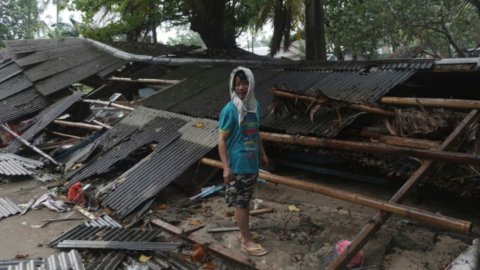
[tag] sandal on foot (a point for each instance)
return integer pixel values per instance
(255, 237)
(258, 250)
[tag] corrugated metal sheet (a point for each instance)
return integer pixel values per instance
(326, 123)
(103, 221)
(83, 232)
(44, 119)
(25, 162)
(61, 261)
(160, 130)
(160, 168)
(392, 64)
(52, 65)
(11, 167)
(14, 85)
(8, 208)
(125, 245)
(357, 86)
(110, 261)
(21, 104)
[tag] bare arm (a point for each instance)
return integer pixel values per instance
(222, 151)
(263, 155)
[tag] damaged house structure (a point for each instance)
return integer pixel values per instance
(150, 123)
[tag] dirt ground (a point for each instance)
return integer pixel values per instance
(295, 239)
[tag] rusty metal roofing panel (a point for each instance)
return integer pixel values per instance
(8, 208)
(77, 73)
(21, 104)
(44, 119)
(13, 86)
(153, 173)
(325, 124)
(83, 232)
(359, 86)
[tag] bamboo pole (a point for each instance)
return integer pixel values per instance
(381, 217)
(108, 103)
(78, 125)
(432, 102)
(454, 157)
(406, 211)
(31, 146)
(145, 81)
(399, 141)
(359, 107)
(65, 135)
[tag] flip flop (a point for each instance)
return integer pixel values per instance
(255, 251)
(255, 236)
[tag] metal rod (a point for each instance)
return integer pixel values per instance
(116, 105)
(359, 107)
(31, 146)
(454, 157)
(405, 211)
(381, 217)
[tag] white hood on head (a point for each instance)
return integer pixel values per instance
(249, 103)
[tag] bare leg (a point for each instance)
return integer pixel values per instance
(242, 216)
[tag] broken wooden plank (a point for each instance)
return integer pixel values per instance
(391, 207)
(261, 211)
(433, 102)
(360, 107)
(143, 80)
(214, 247)
(167, 226)
(380, 217)
(454, 157)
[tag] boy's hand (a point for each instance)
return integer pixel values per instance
(265, 162)
(227, 175)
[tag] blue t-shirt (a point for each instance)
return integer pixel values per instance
(242, 143)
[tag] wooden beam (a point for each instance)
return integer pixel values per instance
(359, 107)
(380, 217)
(214, 247)
(144, 81)
(433, 102)
(405, 211)
(454, 157)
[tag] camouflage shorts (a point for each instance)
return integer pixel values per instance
(239, 192)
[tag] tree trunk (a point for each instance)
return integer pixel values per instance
(315, 45)
(208, 19)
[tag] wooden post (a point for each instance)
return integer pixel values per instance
(454, 157)
(380, 217)
(405, 211)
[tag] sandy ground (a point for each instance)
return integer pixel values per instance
(295, 240)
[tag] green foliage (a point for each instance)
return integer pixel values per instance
(18, 19)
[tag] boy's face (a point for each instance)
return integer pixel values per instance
(241, 88)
